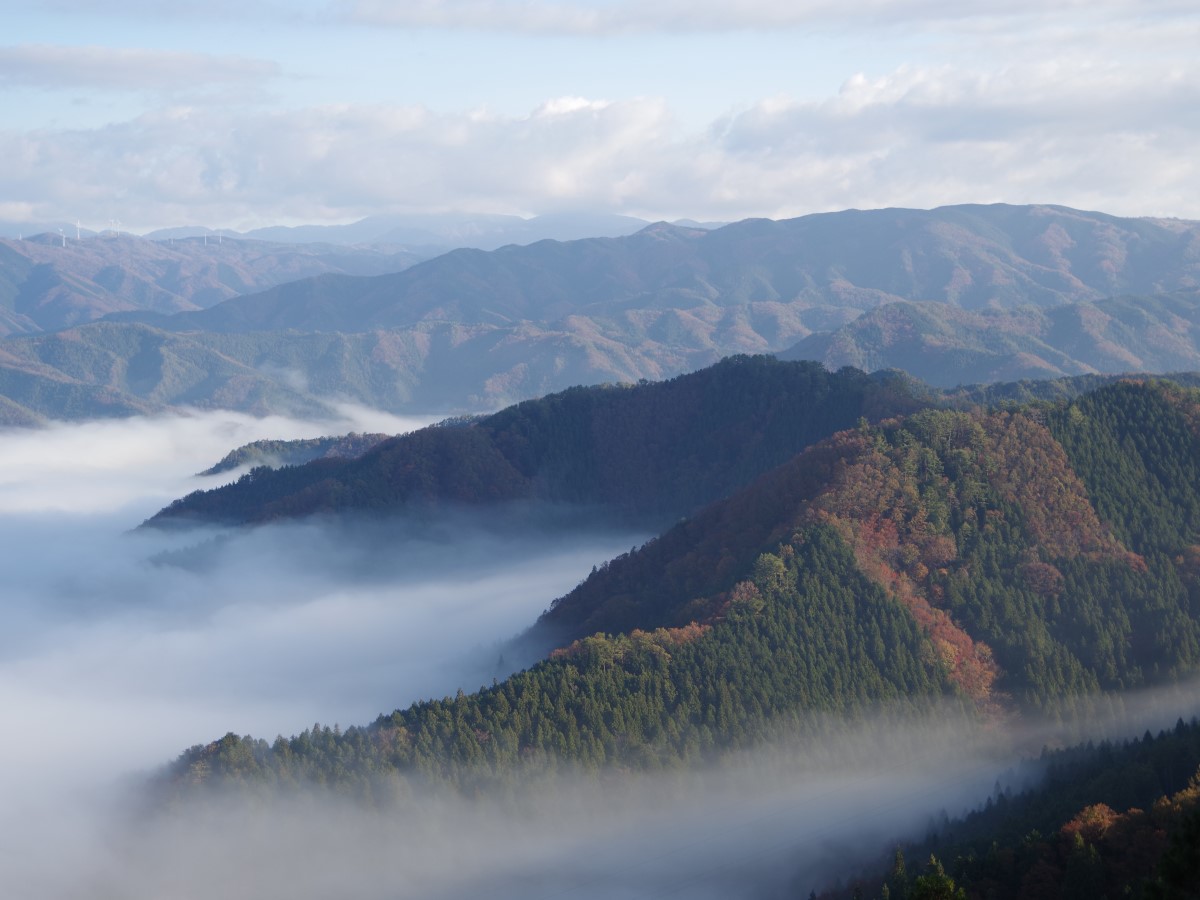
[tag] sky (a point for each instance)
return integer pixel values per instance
(260, 112)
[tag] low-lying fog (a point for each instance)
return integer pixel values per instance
(112, 662)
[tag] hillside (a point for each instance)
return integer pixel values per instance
(295, 452)
(946, 346)
(1107, 820)
(1013, 532)
(436, 368)
(1013, 560)
(108, 370)
(46, 284)
(647, 453)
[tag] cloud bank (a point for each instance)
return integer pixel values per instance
(505, 107)
(118, 650)
(1115, 138)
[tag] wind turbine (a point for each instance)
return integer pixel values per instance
(62, 234)
(77, 236)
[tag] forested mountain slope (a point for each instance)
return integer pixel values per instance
(649, 452)
(984, 527)
(1014, 560)
(822, 638)
(1106, 820)
(295, 452)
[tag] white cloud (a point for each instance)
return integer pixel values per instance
(131, 69)
(1085, 104)
(1115, 137)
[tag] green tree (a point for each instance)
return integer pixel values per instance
(935, 884)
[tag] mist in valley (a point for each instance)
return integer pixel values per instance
(121, 647)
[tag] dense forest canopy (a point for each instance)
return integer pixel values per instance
(1017, 559)
(1102, 820)
(648, 453)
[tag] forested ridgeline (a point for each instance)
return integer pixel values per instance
(1104, 821)
(1056, 390)
(981, 525)
(945, 553)
(649, 452)
(277, 453)
(807, 633)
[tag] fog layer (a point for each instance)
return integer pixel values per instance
(118, 650)
(113, 658)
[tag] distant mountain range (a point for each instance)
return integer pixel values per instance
(48, 282)
(438, 231)
(958, 294)
(946, 346)
(451, 230)
(823, 269)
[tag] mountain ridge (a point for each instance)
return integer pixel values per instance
(473, 331)
(651, 451)
(968, 256)
(1011, 560)
(49, 283)
(945, 346)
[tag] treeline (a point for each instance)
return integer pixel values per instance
(273, 454)
(648, 453)
(1105, 821)
(946, 553)
(807, 633)
(982, 526)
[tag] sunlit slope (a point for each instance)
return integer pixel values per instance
(107, 370)
(944, 554)
(984, 526)
(651, 452)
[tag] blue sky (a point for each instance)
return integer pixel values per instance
(238, 114)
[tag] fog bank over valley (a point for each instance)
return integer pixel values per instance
(778, 821)
(120, 648)
(112, 660)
